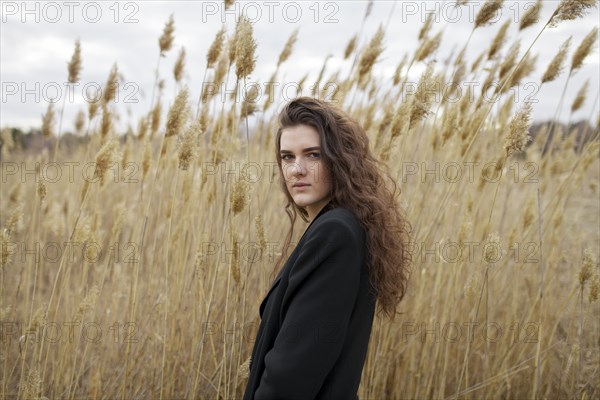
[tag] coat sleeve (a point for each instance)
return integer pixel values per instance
(323, 287)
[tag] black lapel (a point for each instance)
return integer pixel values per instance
(327, 207)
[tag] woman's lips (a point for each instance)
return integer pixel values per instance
(301, 186)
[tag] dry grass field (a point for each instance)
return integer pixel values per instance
(133, 265)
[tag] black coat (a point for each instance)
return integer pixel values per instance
(316, 319)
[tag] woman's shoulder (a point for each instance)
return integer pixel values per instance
(340, 213)
(339, 218)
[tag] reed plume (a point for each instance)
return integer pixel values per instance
(7, 141)
(5, 252)
(424, 31)
(93, 108)
(14, 219)
(74, 66)
(429, 47)
(234, 265)
(456, 79)
(401, 119)
(178, 113)
(531, 16)
(510, 60)
(423, 97)
(106, 123)
(498, 41)
(527, 66)
(487, 12)
(106, 157)
(569, 10)
(368, 10)
(580, 98)
(471, 288)
(41, 189)
(260, 232)
(556, 65)
(588, 264)
(48, 121)
(221, 69)
(594, 286)
(384, 122)
(204, 119)
(287, 49)
(577, 61)
(165, 41)
(477, 61)
(32, 386)
(249, 103)
(188, 146)
(215, 48)
(239, 196)
(125, 157)
(155, 116)
(583, 50)
(505, 111)
(232, 44)
(398, 72)
(370, 54)
(179, 66)
(245, 48)
(451, 123)
(146, 157)
(84, 190)
(142, 128)
(528, 215)
(269, 89)
(244, 369)
(110, 87)
(518, 131)
(315, 87)
(87, 303)
(350, 47)
(115, 231)
(492, 250)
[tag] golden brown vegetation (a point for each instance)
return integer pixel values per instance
(157, 296)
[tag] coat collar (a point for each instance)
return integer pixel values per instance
(329, 206)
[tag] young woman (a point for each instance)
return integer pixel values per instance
(316, 318)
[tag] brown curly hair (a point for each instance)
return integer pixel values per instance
(358, 184)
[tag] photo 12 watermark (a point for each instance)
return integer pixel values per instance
(89, 251)
(68, 332)
(54, 92)
(451, 12)
(468, 172)
(55, 12)
(292, 12)
(469, 331)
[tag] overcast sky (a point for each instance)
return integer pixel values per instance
(37, 41)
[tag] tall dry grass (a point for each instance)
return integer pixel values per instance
(169, 307)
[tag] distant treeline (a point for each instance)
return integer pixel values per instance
(32, 142)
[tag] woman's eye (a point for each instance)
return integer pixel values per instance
(287, 157)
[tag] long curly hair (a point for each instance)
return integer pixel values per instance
(358, 184)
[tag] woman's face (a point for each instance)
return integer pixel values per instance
(306, 177)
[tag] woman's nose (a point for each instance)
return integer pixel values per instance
(298, 168)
